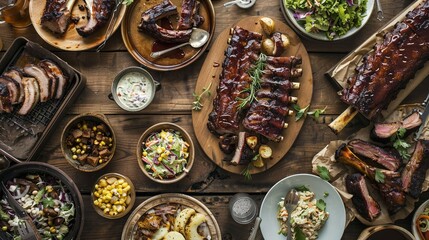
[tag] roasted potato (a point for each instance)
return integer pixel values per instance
(191, 232)
(182, 219)
(265, 151)
(162, 232)
(267, 25)
(252, 141)
(285, 41)
(268, 46)
(174, 236)
(258, 162)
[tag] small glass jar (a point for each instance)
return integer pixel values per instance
(243, 208)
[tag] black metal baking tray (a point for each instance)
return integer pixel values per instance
(21, 137)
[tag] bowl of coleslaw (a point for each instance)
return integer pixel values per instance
(320, 212)
(327, 20)
(165, 153)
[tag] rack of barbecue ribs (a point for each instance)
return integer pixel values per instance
(264, 117)
(57, 15)
(388, 68)
(188, 19)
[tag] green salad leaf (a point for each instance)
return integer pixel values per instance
(323, 172)
(320, 204)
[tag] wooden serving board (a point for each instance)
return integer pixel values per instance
(71, 40)
(210, 72)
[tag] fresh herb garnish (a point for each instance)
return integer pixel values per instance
(255, 74)
(323, 172)
(325, 194)
(301, 112)
(246, 172)
(196, 104)
(400, 144)
(379, 176)
(302, 188)
(127, 2)
(320, 204)
(48, 202)
(299, 235)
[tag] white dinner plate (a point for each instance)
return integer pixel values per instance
(334, 226)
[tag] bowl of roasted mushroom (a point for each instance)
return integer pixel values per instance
(88, 142)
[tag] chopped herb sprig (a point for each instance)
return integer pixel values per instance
(196, 104)
(400, 144)
(302, 112)
(255, 73)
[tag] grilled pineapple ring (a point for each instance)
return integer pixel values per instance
(174, 236)
(182, 219)
(191, 232)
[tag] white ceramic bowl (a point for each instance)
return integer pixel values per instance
(288, 14)
(416, 215)
(334, 226)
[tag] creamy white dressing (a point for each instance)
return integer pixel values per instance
(134, 90)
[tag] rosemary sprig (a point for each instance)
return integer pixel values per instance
(302, 112)
(246, 172)
(127, 2)
(196, 104)
(255, 73)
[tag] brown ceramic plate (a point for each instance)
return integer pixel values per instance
(170, 198)
(70, 40)
(210, 74)
(139, 44)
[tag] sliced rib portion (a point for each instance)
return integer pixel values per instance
(148, 24)
(43, 80)
(13, 88)
(99, 13)
(362, 200)
(59, 79)
(414, 172)
(387, 69)
(5, 103)
(57, 14)
(390, 187)
(375, 153)
(16, 75)
(189, 16)
(32, 95)
(383, 131)
(233, 80)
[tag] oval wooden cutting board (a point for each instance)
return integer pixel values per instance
(210, 74)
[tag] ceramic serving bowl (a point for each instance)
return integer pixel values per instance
(158, 128)
(22, 169)
(107, 200)
(73, 156)
(385, 232)
(146, 87)
(415, 217)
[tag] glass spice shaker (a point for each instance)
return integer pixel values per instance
(243, 208)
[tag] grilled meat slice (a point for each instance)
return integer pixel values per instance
(375, 153)
(60, 80)
(228, 143)
(233, 80)
(414, 172)
(57, 14)
(42, 79)
(383, 131)
(265, 122)
(189, 16)
(32, 95)
(390, 187)
(99, 12)
(5, 103)
(16, 75)
(387, 69)
(362, 200)
(13, 87)
(148, 24)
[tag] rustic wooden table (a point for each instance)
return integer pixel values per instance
(211, 185)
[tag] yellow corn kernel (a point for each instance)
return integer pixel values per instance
(96, 194)
(53, 230)
(127, 188)
(4, 228)
(106, 210)
(94, 128)
(84, 147)
(109, 187)
(103, 183)
(119, 190)
(78, 140)
(158, 150)
(49, 188)
(103, 206)
(121, 180)
(102, 143)
(116, 203)
(73, 149)
(74, 157)
(110, 139)
(125, 184)
(170, 139)
(163, 134)
(163, 149)
(78, 151)
(108, 205)
(100, 161)
(96, 203)
(119, 208)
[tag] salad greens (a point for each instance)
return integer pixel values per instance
(334, 17)
(165, 154)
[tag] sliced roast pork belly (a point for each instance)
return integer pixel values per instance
(5, 103)
(375, 153)
(414, 172)
(57, 14)
(42, 79)
(390, 187)
(32, 95)
(16, 75)
(383, 131)
(60, 81)
(362, 200)
(99, 12)
(243, 153)
(13, 87)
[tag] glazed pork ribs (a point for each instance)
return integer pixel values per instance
(188, 18)
(392, 63)
(265, 115)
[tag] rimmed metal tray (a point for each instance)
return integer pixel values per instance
(22, 136)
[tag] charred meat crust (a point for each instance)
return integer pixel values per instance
(387, 69)
(99, 12)
(362, 200)
(56, 17)
(414, 172)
